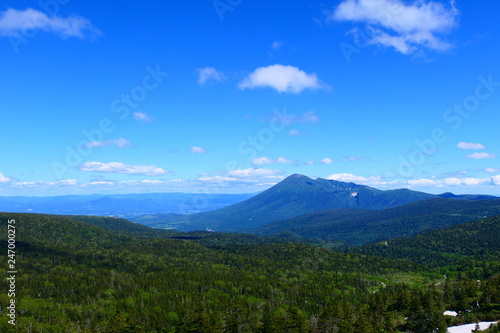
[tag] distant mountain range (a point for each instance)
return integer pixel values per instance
(294, 196)
(120, 205)
(311, 210)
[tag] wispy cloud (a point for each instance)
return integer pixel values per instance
(480, 156)
(120, 143)
(283, 160)
(44, 184)
(470, 145)
(142, 116)
(277, 44)
(197, 150)
(405, 27)
(267, 160)
(207, 74)
(118, 167)
(325, 160)
(353, 158)
(284, 79)
(261, 160)
(309, 117)
(369, 138)
(492, 170)
(15, 22)
(144, 182)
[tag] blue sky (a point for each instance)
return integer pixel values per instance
(233, 96)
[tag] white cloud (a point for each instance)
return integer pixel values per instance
(44, 184)
(120, 143)
(26, 184)
(206, 74)
(452, 181)
(495, 180)
(405, 27)
(294, 132)
(492, 170)
(267, 160)
(380, 182)
(469, 181)
(100, 182)
(254, 172)
(118, 167)
(67, 182)
(197, 150)
(288, 79)
(148, 182)
(4, 179)
(470, 145)
(152, 182)
(16, 22)
(326, 160)
(144, 117)
(422, 182)
(480, 156)
(244, 177)
(216, 179)
(347, 177)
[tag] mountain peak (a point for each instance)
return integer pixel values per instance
(296, 195)
(297, 176)
(295, 179)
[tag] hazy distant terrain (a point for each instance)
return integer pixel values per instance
(121, 205)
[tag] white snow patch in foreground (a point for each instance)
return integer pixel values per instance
(450, 313)
(469, 327)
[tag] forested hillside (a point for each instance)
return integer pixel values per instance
(78, 277)
(361, 227)
(471, 248)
